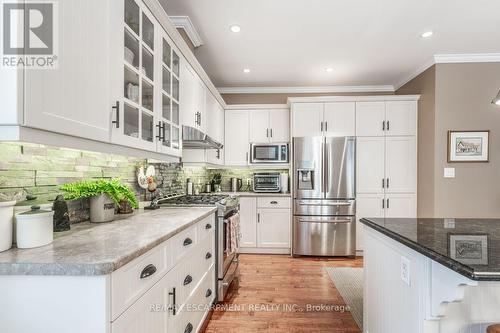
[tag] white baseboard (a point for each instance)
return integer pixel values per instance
(264, 250)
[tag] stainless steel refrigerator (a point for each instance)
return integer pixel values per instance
(324, 210)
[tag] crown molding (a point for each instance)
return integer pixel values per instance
(450, 59)
(305, 90)
(256, 106)
(466, 57)
(429, 63)
(185, 23)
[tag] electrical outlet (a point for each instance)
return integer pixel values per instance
(405, 270)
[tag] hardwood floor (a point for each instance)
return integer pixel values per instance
(273, 295)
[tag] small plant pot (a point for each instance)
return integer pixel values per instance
(125, 207)
(102, 209)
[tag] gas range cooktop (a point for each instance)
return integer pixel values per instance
(194, 200)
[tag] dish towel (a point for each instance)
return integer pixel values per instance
(234, 233)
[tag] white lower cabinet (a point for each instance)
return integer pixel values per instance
(265, 224)
(273, 226)
(187, 285)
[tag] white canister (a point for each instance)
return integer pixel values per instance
(6, 224)
(34, 228)
(20, 208)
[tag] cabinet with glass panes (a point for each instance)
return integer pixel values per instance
(148, 117)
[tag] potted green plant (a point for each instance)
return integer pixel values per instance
(104, 195)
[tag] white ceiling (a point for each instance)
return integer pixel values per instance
(367, 42)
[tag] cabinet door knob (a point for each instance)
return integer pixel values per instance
(116, 107)
(148, 271)
(208, 226)
(208, 293)
(258, 217)
(188, 241)
(208, 255)
(271, 130)
(188, 280)
(274, 202)
(388, 125)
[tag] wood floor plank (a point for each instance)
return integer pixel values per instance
(276, 293)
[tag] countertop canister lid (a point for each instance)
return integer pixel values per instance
(35, 210)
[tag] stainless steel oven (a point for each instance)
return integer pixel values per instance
(227, 258)
(269, 153)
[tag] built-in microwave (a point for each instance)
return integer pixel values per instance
(269, 153)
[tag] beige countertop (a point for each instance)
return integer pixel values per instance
(99, 249)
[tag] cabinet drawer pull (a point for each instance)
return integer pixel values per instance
(188, 280)
(148, 271)
(208, 255)
(116, 107)
(189, 328)
(208, 226)
(208, 293)
(188, 241)
(274, 202)
(174, 306)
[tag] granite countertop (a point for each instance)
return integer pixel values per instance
(470, 247)
(255, 194)
(99, 249)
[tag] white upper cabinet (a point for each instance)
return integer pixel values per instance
(259, 126)
(401, 118)
(279, 125)
(269, 125)
(74, 98)
(237, 137)
(400, 165)
(193, 99)
(324, 119)
(370, 118)
(307, 119)
(339, 119)
(391, 118)
(370, 164)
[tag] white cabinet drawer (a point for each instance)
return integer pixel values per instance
(183, 242)
(132, 280)
(273, 202)
(206, 227)
(206, 255)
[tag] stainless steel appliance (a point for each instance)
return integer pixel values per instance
(269, 153)
(193, 138)
(266, 182)
(226, 265)
(324, 211)
(236, 184)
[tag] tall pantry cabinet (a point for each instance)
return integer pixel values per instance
(386, 161)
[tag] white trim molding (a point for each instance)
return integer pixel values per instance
(185, 23)
(449, 59)
(465, 58)
(256, 106)
(305, 90)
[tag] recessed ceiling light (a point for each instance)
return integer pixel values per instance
(427, 34)
(235, 28)
(246, 70)
(328, 69)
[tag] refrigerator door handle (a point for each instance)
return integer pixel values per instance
(326, 166)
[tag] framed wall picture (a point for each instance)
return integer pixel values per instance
(469, 249)
(468, 146)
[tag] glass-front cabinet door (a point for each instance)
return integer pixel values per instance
(147, 113)
(169, 124)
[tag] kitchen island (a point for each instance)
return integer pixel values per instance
(131, 275)
(431, 275)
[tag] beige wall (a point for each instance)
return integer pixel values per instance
(280, 98)
(425, 85)
(457, 97)
(463, 102)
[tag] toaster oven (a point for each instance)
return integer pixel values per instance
(266, 182)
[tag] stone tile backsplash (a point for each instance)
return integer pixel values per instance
(40, 170)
